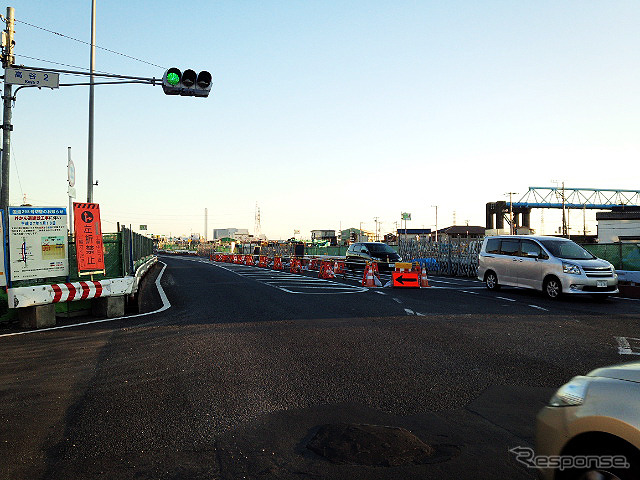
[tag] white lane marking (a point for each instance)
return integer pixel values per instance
(507, 299)
(539, 308)
(625, 298)
(335, 291)
(298, 282)
(379, 293)
(165, 305)
(456, 279)
(317, 287)
(624, 348)
(409, 311)
(397, 300)
(420, 314)
(472, 293)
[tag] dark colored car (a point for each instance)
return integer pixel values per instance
(360, 253)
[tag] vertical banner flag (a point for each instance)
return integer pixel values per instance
(89, 248)
(38, 242)
(3, 276)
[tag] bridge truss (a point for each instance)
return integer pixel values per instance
(589, 198)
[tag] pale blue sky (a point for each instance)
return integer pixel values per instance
(332, 113)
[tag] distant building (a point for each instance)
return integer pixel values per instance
(462, 231)
(321, 236)
(413, 233)
(219, 233)
(619, 226)
(351, 235)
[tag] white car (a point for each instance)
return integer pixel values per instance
(552, 265)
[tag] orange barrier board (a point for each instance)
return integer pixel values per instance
(406, 279)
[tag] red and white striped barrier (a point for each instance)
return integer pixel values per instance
(69, 292)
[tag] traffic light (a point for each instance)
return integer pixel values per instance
(187, 83)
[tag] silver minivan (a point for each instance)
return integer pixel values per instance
(553, 265)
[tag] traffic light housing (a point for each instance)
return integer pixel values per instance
(187, 83)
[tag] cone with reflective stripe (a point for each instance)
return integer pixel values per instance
(371, 278)
(326, 272)
(424, 282)
(294, 266)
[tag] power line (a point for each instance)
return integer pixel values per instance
(87, 43)
(58, 63)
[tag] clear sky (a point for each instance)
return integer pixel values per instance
(331, 113)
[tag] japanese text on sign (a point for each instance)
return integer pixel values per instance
(38, 242)
(15, 76)
(89, 247)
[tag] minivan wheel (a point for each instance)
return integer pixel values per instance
(552, 288)
(491, 281)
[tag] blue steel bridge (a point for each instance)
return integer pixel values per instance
(559, 197)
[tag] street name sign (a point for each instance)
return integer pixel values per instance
(16, 76)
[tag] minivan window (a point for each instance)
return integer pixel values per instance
(493, 245)
(566, 249)
(509, 247)
(380, 248)
(529, 248)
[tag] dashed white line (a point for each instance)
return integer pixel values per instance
(539, 308)
(397, 300)
(409, 311)
(507, 299)
(379, 293)
(472, 293)
(624, 348)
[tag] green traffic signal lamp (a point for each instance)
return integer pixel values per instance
(171, 81)
(173, 78)
(186, 83)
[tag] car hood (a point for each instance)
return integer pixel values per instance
(594, 263)
(627, 371)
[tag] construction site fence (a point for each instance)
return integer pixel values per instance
(623, 256)
(455, 256)
(124, 252)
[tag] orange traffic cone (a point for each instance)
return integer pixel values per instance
(326, 272)
(371, 278)
(294, 267)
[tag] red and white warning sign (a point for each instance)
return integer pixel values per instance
(89, 247)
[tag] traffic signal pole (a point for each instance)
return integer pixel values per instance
(7, 61)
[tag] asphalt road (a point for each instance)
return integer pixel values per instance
(236, 377)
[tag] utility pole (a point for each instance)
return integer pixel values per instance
(8, 60)
(436, 207)
(206, 227)
(375, 219)
(511, 194)
(565, 230)
(91, 87)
